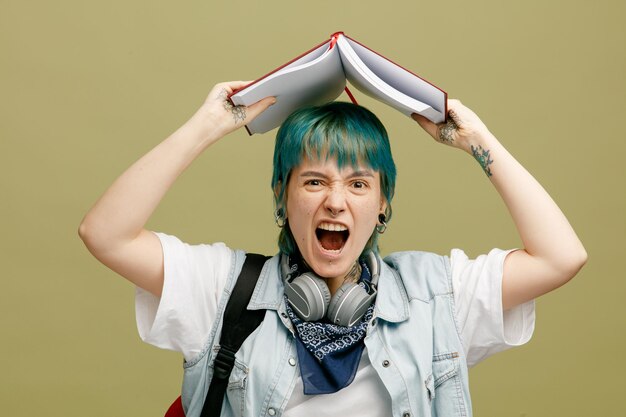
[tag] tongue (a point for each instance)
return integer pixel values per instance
(331, 240)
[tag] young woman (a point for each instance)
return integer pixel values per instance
(345, 332)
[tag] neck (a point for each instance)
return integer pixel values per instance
(353, 275)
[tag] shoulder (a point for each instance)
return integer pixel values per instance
(449, 271)
(176, 245)
(424, 274)
(201, 257)
(464, 269)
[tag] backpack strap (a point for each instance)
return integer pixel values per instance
(237, 325)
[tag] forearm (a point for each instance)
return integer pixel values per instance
(543, 228)
(123, 210)
(552, 252)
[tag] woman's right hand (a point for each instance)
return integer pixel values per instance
(114, 228)
(218, 117)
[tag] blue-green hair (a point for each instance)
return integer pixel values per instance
(349, 133)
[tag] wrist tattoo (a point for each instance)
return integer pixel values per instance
(483, 158)
(238, 112)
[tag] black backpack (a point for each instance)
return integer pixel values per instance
(238, 323)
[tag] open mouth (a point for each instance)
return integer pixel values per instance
(332, 236)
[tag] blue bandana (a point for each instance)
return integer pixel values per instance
(329, 354)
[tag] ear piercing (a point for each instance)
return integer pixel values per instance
(382, 226)
(279, 218)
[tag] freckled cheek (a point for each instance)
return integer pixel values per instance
(306, 210)
(369, 209)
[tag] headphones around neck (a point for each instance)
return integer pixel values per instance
(310, 298)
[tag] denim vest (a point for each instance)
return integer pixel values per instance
(413, 344)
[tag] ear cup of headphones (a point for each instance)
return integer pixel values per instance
(309, 296)
(349, 304)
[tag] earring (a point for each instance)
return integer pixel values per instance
(279, 219)
(382, 219)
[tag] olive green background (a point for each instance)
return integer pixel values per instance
(88, 87)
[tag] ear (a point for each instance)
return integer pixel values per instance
(383, 205)
(280, 204)
(385, 209)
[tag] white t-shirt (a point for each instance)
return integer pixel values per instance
(195, 276)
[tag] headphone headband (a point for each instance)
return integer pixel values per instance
(309, 296)
(372, 261)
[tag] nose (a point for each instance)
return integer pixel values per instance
(335, 202)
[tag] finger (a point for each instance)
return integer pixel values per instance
(447, 131)
(236, 85)
(454, 116)
(227, 87)
(454, 103)
(426, 124)
(259, 107)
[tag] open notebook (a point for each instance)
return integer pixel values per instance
(319, 76)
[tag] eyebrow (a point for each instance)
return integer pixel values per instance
(355, 174)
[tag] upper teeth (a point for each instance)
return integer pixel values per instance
(333, 227)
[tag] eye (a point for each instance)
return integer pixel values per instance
(359, 184)
(313, 182)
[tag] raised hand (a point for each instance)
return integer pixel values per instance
(220, 117)
(462, 130)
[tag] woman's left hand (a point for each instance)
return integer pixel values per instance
(462, 128)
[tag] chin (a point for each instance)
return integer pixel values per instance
(332, 265)
(332, 269)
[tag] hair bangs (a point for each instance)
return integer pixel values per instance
(330, 141)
